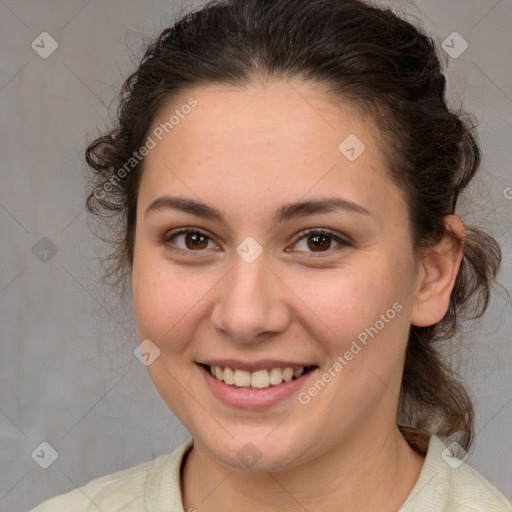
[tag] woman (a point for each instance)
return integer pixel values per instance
(286, 175)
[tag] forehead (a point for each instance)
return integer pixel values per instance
(261, 142)
(278, 115)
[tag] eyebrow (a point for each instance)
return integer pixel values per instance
(283, 213)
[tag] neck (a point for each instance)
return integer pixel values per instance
(367, 472)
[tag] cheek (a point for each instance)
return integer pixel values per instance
(366, 304)
(168, 300)
(349, 298)
(366, 313)
(163, 299)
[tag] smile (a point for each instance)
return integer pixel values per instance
(260, 379)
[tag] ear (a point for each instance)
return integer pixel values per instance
(437, 272)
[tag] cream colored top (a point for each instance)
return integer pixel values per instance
(154, 486)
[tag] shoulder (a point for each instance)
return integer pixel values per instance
(128, 490)
(448, 484)
(468, 487)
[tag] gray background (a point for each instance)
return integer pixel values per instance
(68, 375)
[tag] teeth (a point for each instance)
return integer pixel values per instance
(276, 376)
(242, 378)
(287, 374)
(260, 379)
(229, 376)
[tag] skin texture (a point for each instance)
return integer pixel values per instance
(246, 152)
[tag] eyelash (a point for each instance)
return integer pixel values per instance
(167, 240)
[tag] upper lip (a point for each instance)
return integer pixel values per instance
(253, 366)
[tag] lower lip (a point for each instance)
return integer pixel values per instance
(253, 398)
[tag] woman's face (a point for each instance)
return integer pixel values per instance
(255, 173)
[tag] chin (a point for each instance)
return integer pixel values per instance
(257, 449)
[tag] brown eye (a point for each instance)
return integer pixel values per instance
(318, 243)
(196, 241)
(188, 239)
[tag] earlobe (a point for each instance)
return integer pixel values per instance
(436, 276)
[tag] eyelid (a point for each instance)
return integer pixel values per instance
(186, 229)
(343, 242)
(166, 239)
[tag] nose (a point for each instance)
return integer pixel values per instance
(250, 304)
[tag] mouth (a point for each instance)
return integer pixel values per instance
(257, 380)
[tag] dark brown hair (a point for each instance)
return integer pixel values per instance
(382, 65)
